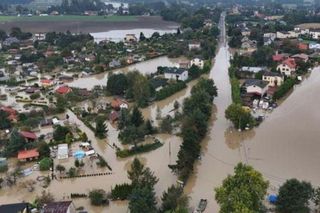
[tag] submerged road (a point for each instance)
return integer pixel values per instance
(286, 145)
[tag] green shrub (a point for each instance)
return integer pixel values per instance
(45, 164)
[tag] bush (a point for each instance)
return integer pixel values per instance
(284, 88)
(35, 96)
(139, 149)
(170, 89)
(98, 197)
(103, 163)
(121, 192)
(45, 164)
(3, 168)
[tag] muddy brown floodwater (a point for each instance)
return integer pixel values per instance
(286, 145)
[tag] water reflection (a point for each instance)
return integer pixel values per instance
(234, 138)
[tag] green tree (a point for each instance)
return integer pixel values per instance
(136, 117)
(43, 149)
(142, 200)
(101, 128)
(60, 168)
(60, 133)
(136, 171)
(149, 130)
(4, 121)
(242, 192)
(61, 104)
(15, 144)
(294, 196)
(239, 116)
(173, 199)
(166, 124)
(98, 197)
(316, 197)
(45, 164)
(117, 84)
(72, 172)
(139, 88)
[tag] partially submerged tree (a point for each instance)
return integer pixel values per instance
(242, 192)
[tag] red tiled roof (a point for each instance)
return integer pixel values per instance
(9, 110)
(28, 135)
(303, 46)
(25, 154)
(63, 90)
(46, 81)
(290, 62)
(117, 102)
(277, 57)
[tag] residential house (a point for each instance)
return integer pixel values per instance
(248, 44)
(176, 73)
(28, 136)
(287, 67)
(13, 114)
(39, 37)
(194, 45)
(15, 208)
(273, 78)
(65, 78)
(9, 41)
(197, 61)
(184, 64)
(63, 90)
(113, 116)
(114, 63)
(314, 46)
(268, 38)
(130, 38)
(289, 34)
(303, 46)
(315, 34)
(245, 31)
(256, 87)
(249, 72)
(46, 83)
(59, 207)
(28, 155)
(118, 104)
(300, 57)
(279, 57)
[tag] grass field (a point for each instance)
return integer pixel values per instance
(68, 18)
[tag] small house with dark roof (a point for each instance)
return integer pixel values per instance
(15, 208)
(273, 78)
(255, 86)
(175, 73)
(59, 207)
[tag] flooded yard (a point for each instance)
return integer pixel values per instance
(146, 67)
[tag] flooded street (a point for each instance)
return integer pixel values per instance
(284, 146)
(145, 67)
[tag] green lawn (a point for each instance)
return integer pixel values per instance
(69, 18)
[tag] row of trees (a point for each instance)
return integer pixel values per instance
(133, 127)
(196, 113)
(246, 190)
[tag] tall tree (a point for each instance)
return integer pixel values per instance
(294, 196)
(4, 121)
(16, 143)
(173, 199)
(117, 84)
(142, 200)
(101, 128)
(136, 117)
(242, 192)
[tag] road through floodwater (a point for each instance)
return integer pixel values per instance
(286, 145)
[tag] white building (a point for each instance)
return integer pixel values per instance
(289, 34)
(63, 151)
(194, 46)
(314, 46)
(273, 78)
(287, 67)
(197, 62)
(176, 73)
(39, 37)
(315, 34)
(255, 86)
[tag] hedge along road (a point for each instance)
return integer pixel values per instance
(284, 146)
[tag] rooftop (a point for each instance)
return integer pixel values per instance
(25, 154)
(57, 207)
(174, 70)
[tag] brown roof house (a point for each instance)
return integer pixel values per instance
(59, 207)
